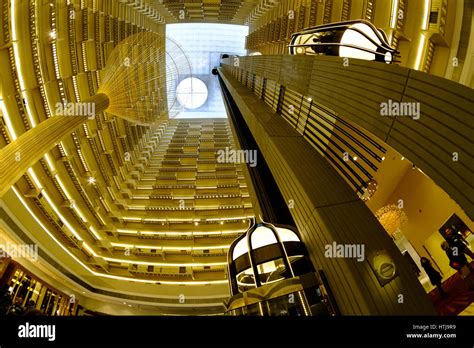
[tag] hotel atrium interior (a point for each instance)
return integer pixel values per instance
(236, 157)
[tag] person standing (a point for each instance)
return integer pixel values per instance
(456, 239)
(458, 261)
(434, 275)
(31, 310)
(17, 307)
(5, 300)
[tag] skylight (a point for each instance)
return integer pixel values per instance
(203, 44)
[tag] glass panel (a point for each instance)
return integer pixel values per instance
(245, 280)
(287, 235)
(271, 271)
(46, 299)
(262, 236)
(51, 304)
(240, 249)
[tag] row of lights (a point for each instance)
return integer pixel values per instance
(91, 180)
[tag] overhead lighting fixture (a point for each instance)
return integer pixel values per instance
(52, 34)
(370, 190)
(91, 180)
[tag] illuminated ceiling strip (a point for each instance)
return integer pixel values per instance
(50, 163)
(173, 234)
(14, 18)
(215, 207)
(8, 122)
(419, 53)
(37, 182)
(33, 123)
(393, 23)
(94, 232)
(19, 65)
(19, 196)
(137, 219)
(63, 187)
(230, 218)
(99, 216)
(165, 264)
(89, 249)
(425, 15)
(214, 247)
(51, 203)
(31, 172)
(76, 209)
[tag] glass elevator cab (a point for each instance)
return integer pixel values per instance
(351, 39)
(270, 274)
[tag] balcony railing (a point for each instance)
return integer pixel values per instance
(351, 151)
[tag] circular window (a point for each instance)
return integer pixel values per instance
(191, 93)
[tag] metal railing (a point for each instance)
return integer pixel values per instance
(353, 152)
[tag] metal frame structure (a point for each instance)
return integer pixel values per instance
(384, 50)
(296, 249)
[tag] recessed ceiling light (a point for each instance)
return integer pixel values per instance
(91, 180)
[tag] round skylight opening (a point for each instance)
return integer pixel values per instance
(191, 93)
